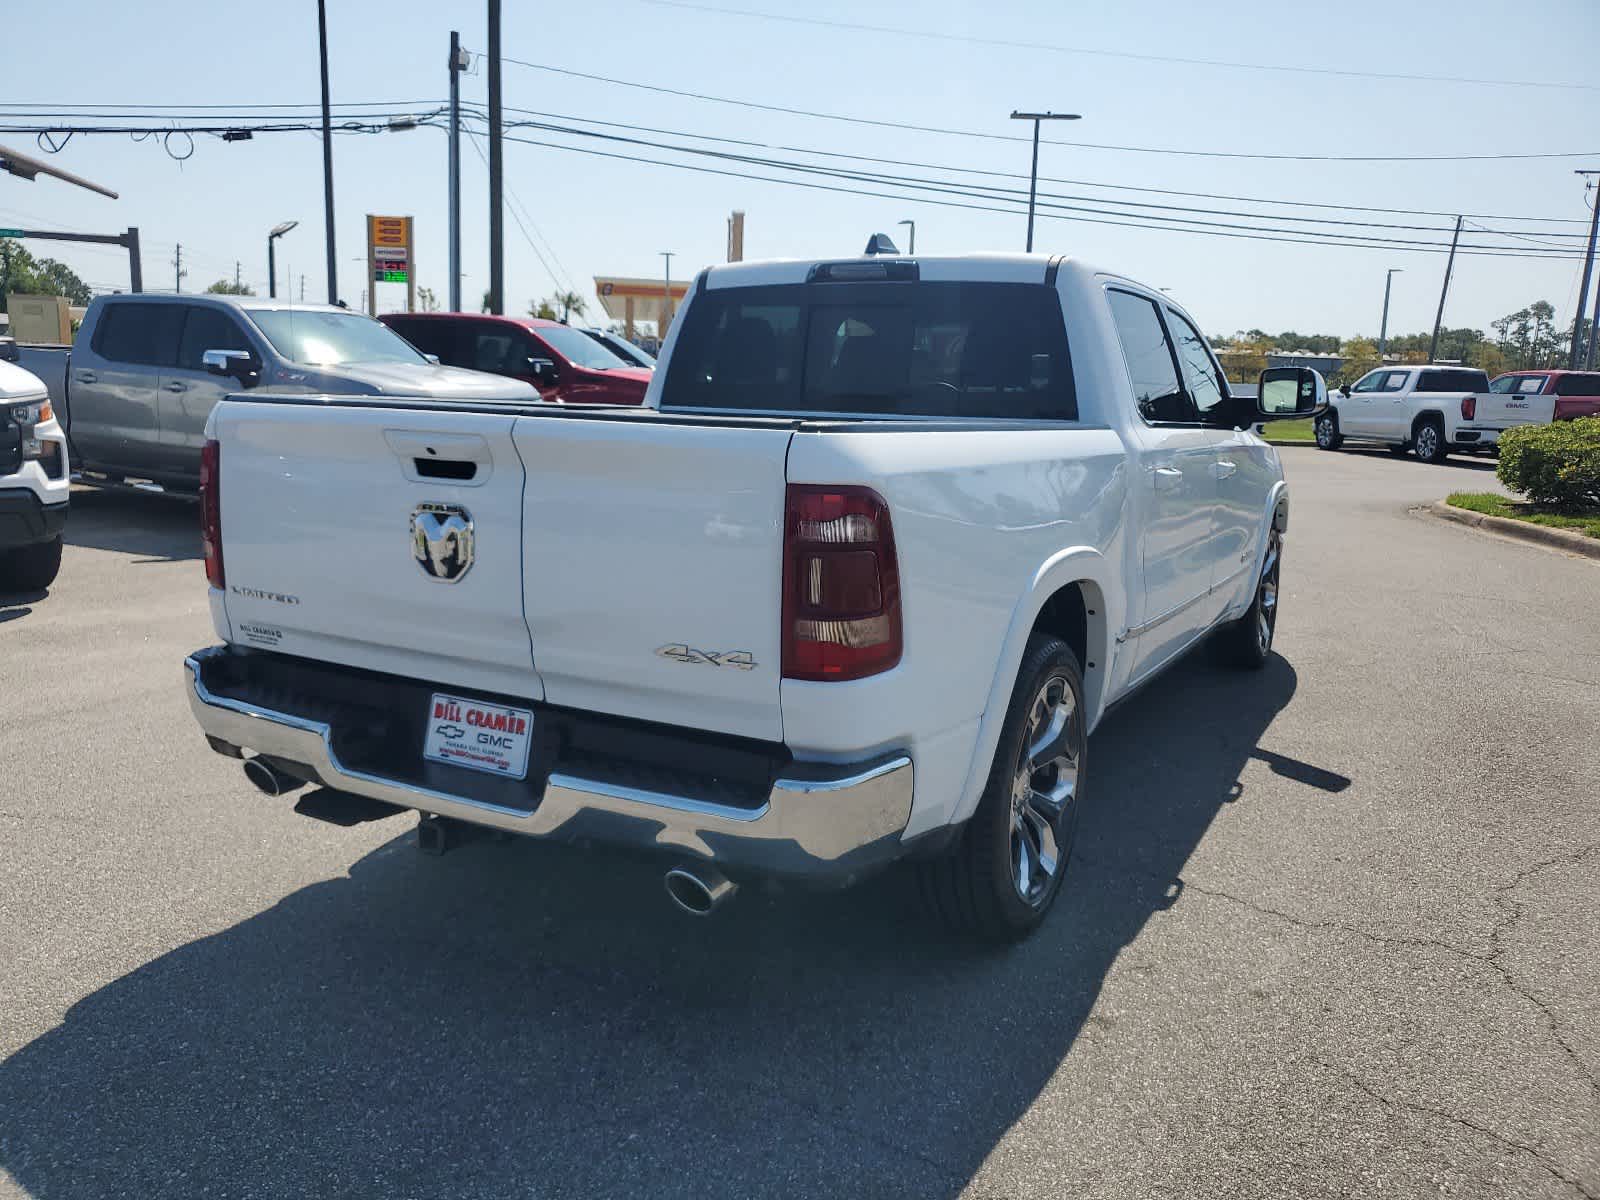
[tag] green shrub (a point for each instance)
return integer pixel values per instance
(1556, 465)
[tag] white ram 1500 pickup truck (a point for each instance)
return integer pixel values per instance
(886, 540)
(1430, 410)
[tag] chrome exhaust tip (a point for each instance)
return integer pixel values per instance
(698, 889)
(268, 779)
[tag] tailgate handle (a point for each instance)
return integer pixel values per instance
(445, 468)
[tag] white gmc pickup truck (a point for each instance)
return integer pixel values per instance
(885, 542)
(1429, 410)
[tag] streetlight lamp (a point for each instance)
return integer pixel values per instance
(272, 257)
(912, 249)
(1383, 328)
(1033, 178)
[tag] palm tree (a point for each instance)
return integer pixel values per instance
(569, 303)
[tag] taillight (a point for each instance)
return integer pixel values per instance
(211, 511)
(1469, 407)
(841, 584)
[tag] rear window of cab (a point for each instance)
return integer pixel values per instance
(881, 348)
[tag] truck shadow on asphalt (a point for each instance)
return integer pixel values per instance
(524, 1019)
(150, 528)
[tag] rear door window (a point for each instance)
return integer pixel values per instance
(1395, 381)
(1578, 385)
(437, 338)
(1152, 368)
(1453, 381)
(144, 334)
(907, 348)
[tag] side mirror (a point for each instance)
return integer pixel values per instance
(231, 364)
(1283, 393)
(543, 370)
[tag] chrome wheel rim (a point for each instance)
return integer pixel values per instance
(1267, 598)
(1324, 431)
(1044, 789)
(1427, 441)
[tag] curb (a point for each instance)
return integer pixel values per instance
(1560, 539)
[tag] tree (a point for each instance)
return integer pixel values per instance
(1360, 356)
(223, 287)
(426, 300)
(542, 309)
(26, 275)
(568, 303)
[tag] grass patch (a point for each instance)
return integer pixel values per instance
(1499, 506)
(1290, 431)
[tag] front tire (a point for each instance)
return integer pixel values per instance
(1326, 428)
(1004, 873)
(1428, 441)
(1247, 642)
(30, 568)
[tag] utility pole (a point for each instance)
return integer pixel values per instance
(458, 62)
(1449, 266)
(1383, 327)
(327, 156)
(177, 268)
(1588, 270)
(302, 289)
(236, 285)
(1594, 327)
(497, 232)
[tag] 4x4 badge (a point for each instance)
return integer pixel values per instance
(741, 660)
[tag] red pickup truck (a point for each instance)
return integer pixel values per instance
(565, 364)
(1577, 393)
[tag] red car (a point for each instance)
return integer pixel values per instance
(1577, 393)
(565, 364)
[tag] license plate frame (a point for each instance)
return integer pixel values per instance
(494, 739)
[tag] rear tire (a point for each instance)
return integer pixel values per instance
(1004, 873)
(30, 568)
(1247, 642)
(1428, 440)
(1326, 428)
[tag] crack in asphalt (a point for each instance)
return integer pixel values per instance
(1532, 1152)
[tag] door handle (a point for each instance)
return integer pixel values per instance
(1224, 468)
(1166, 479)
(177, 385)
(84, 376)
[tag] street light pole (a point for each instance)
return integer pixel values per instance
(327, 155)
(276, 232)
(666, 297)
(912, 248)
(1383, 328)
(1588, 270)
(1033, 176)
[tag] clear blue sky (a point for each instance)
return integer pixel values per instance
(608, 217)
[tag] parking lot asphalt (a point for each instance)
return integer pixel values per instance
(1331, 930)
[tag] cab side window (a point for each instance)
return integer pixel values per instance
(209, 329)
(140, 333)
(1152, 367)
(1199, 369)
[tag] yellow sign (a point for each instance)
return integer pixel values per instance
(383, 232)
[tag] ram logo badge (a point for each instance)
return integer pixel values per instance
(740, 660)
(441, 541)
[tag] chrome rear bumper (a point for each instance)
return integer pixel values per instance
(825, 821)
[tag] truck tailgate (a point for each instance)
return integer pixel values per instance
(1502, 410)
(320, 552)
(652, 568)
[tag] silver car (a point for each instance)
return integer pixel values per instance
(145, 371)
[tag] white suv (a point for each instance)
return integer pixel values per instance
(34, 483)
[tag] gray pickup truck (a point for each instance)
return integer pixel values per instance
(145, 370)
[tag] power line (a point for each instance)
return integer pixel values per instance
(1148, 223)
(970, 39)
(474, 137)
(1009, 195)
(1005, 137)
(1122, 187)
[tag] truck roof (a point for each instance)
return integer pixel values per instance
(982, 268)
(247, 303)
